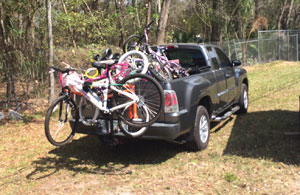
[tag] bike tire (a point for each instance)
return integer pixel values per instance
(137, 68)
(88, 112)
(163, 75)
(178, 70)
(133, 42)
(150, 95)
(55, 110)
(130, 131)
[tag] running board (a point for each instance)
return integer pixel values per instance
(226, 115)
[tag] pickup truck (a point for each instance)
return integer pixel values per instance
(216, 88)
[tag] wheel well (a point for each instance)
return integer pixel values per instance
(206, 102)
(246, 82)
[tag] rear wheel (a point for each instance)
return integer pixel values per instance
(201, 131)
(133, 42)
(133, 131)
(161, 73)
(150, 100)
(88, 112)
(137, 61)
(58, 129)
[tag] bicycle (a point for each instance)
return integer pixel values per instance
(129, 63)
(137, 100)
(160, 67)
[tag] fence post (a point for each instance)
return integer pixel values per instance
(288, 46)
(279, 56)
(235, 49)
(297, 48)
(258, 47)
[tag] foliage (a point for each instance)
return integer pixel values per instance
(105, 22)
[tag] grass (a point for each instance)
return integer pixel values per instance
(247, 154)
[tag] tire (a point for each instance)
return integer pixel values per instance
(244, 100)
(130, 131)
(132, 43)
(137, 60)
(201, 131)
(88, 112)
(151, 99)
(162, 75)
(67, 130)
(179, 71)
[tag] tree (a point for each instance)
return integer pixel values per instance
(163, 22)
(50, 44)
(149, 6)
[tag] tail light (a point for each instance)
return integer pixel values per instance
(171, 103)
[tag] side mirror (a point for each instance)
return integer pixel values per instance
(236, 63)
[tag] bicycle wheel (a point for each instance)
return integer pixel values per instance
(150, 100)
(178, 70)
(133, 42)
(133, 131)
(137, 60)
(161, 73)
(60, 126)
(88, 112)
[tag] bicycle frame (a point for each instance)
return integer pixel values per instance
(107, 82)
(162, 58)
(104, 85)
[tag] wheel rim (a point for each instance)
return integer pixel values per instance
(59, 129)
(203, 129)
(245, 99)
(148, 94)
(133, 132)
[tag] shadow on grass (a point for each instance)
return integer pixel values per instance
(88, 155)
(264, 135)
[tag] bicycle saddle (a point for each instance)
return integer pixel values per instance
(106, 59)
(103, 63)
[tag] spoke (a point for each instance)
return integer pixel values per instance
(152, 112)
(61, 124)
(153, 102)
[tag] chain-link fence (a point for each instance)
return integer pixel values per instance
(270, 46)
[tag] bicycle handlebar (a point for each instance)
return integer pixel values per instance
(67, 70)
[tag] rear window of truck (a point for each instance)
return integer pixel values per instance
(186, 57)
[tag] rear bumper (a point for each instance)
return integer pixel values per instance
(168, 129)
(161, 131)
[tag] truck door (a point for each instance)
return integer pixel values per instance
(220, 78)
(227, 68)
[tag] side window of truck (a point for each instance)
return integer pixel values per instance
(223, 58)
(212, 57)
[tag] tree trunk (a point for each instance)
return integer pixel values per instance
(120, 12)
(158, 6)
(289, 15)
(163, 22)
(149, 6)
(8, 61)
(50, 44)
(94, 18)
(281, 15)
(69, 25)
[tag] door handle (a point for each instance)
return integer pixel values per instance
(227, 76)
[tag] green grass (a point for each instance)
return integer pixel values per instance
(248, 154)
